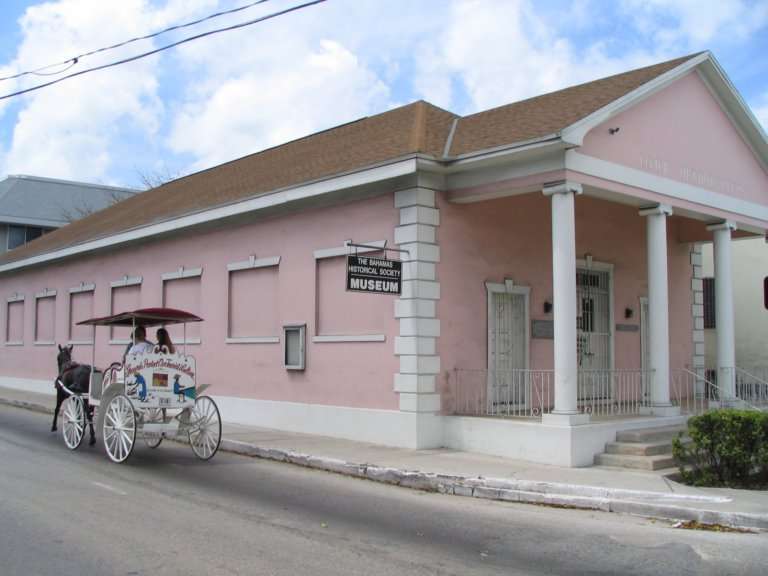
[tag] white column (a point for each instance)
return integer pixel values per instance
(416, 309)
(724, 322)
(564, 297)
(658, 309)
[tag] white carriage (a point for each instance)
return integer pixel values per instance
(153, 395)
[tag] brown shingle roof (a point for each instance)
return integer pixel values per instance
(415, 128)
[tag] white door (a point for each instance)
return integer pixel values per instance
(593, 324)
(507, 351)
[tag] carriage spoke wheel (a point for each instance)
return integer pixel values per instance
(119, 430)
(205, 428)
(153, 416)
(73, 430)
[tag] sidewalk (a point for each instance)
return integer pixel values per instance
(474, 475)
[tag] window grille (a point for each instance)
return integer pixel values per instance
(709, 303)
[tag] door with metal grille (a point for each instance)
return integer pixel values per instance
(593, 324)
(507, 352)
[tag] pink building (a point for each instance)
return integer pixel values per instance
(551, 289)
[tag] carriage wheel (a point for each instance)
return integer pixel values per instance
(119, 431)
(205, 428)
(151, 416)
(73, 430)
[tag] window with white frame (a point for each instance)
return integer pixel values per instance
(45, 317)
(183, 290)
(81, 308)
(253, 301)
(14, 321)
(294, 346)
(343, 316)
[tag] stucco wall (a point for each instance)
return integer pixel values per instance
(344, 374)
(681, 133)
(511, 238)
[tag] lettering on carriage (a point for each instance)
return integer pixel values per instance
(162, 363)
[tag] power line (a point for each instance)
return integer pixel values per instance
(162, 48)
(76, 59)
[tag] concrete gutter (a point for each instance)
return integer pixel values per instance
(664, 506)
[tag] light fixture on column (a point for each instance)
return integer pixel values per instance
(548, 307)
(628, 313)
(613, 130)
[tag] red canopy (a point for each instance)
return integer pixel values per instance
(145, 317)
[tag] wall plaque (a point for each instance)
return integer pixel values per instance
(544, 329)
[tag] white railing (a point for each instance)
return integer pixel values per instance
(530, 393)
(614, 392)
(752, 387)
(517, 393)
(692, 393)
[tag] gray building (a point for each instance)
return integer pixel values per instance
(30, 206)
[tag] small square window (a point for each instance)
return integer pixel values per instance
(294, 338)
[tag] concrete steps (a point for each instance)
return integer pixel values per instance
(646, 449)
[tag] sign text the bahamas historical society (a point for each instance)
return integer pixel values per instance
(374, 275)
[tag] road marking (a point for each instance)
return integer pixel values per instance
(109, 488)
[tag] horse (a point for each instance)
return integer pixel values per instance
(75, 377)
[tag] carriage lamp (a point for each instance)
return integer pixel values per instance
(548, 307)
(628, 313)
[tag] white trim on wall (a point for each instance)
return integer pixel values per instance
(592, 166)
(252, 340)
(349, 338)
(346, 250)
(253, 262)
(276, 198)
(17, 297)
(182, 273)
(45, 294)
(126, 281)
(82, 288)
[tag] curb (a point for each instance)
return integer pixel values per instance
(662, 506)
(647, 504)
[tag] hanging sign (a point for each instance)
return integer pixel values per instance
(374, 275)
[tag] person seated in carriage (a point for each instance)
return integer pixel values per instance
(164, 343)
(140, 343)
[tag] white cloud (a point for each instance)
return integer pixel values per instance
(66, 130)
(500, 52)
(683, 24)
(271, 97)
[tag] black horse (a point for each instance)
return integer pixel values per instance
(76, 377)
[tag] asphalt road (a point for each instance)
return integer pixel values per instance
(165, 512)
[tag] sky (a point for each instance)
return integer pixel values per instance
(235, 93)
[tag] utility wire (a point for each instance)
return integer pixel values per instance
(76, 59)
(162, 48)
